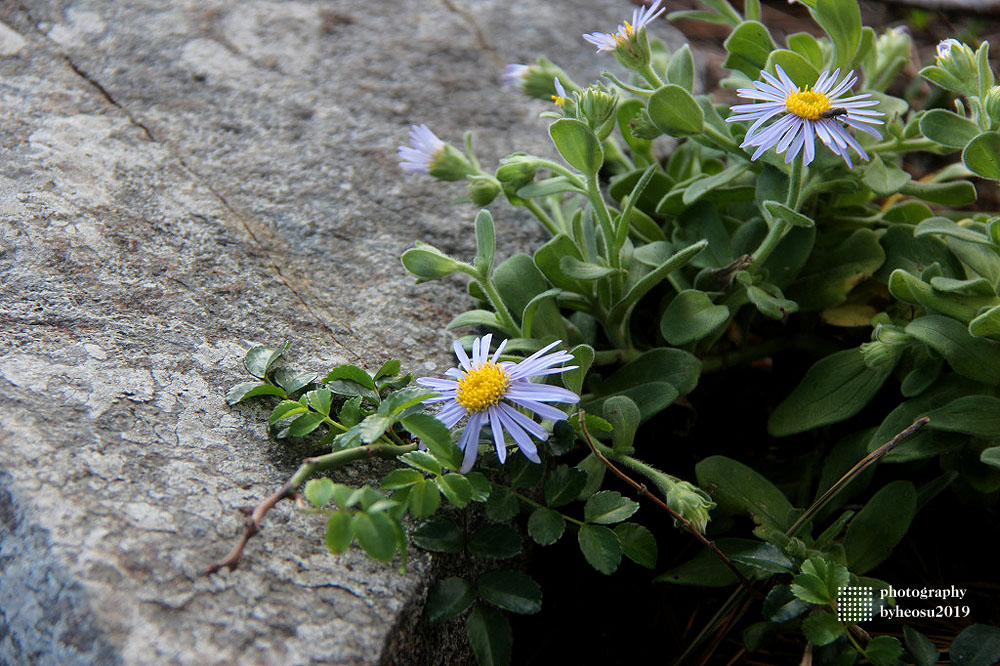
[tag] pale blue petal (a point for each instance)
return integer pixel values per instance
(497, 429)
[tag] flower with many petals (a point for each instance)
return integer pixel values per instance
(821, 111)
(489, 392)
(429, 154)
(627, 32)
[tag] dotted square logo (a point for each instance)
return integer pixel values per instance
(855, 604)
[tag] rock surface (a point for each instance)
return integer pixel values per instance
(181, 180)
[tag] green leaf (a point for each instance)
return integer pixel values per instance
(373, 427)
(502, 505)
(260, 359)
(842, 22)
(781, 605)
(835, 388)
(987, 324)
(523, 472)
(375, 534)
(706, 569)
(489, 636)
(578, 145)
(775, 210)
(749, 46)
(400, 478)
(511, 590)
(495, 541)
(436, 437)
(991, 456)
(638, 543)
(286, 409)
(481, 487)
(241, 392)
(972, 357)
(884, 180)
(319, 492)
(884, 650)
(624, 416)
(948, 128)
(397, 403)
(455, 487)
(921, 649)
(822, 628)
(352, 373)
(878, 527)
(953, 193)
(563, 484)
(583, 358)
(806, 45)
(832, 274)
(700, 188)
(820, 581)
(388, 369)
(673, 366)
(305, 424)
(580, 270)
(424, 498)
(691, 316)
(319, 399)
(338, 532)
(982, 155)
(976, 415)
(518, 280)
(600, 547)
(738, 488)
(769, 300)
(476, 318)
(486, 243)
(448, 599)
(608, 507)
(545, 526)
(350, 412)
(978, 645)
(441, 536)
(653, 278)
(547, 259)
(427, 262)
(675, 112)
(680, 68)
(802, 72)
(946, 227)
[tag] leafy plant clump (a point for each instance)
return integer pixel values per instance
(813, 213)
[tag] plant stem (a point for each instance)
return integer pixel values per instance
(780, 226)
(498, 305)
(542, 216)
(900, 145)
(309, 466)
(537, 505)
(604, 219)
(652, 78)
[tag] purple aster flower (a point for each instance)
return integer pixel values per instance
(424, 148)
(944, 47)
(641, 17)
(513, 75)
(806, 113)
(487, 392)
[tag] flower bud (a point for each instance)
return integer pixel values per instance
(642, 127)
(536, 79)
(449, 164)
(691, 502)
(959, 60)
(888, 342)
(483, 190)
(597, 107)
(991, 106)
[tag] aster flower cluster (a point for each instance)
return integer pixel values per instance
(489, 392)
(627, 31)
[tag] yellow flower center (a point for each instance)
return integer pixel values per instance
(557, 100)
(627, 31)
(807, 104)
(482, 386)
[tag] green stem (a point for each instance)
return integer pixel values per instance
(611, 356)
(537, 505)
(555, 167)
(311, 466)
(497, 302)
(780, 226)
(721, 139)
(542, 216)
(900, 145)
(652, 78)
(604, 219)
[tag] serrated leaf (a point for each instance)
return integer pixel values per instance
(319, 399)
(456, 488)
(563, 484)
(246, 390)
(423, 461)
(502, 504)
(495, 541)
(293, 380)
(375, 534)
(638, 544)
(436, 437)
(922, 650)
(511, 590)
(600, 547)
(424, 499)
(338, 532)
(546, 526)
(304, 424)
(608, 507)
(373, 427)
(350, 412)
(884, 651)
(260, 359)
(286, 409)
(489, 636)
(448, 599)
(441, 536)
(978, 645)
(388, 369)
(318, 492)
(481, 486)
(401, 478)
(822, 628)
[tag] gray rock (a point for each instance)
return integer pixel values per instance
(178, 182)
